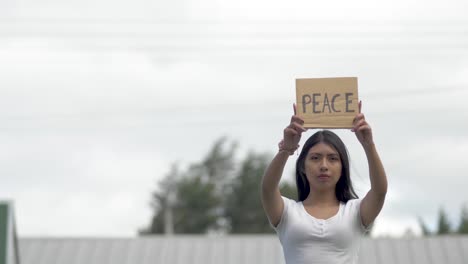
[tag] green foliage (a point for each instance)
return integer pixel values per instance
(288, 190)
(160, 202)
(243, 207)
(443, 224)
(197, 192)
(195, 208)
(217, 194)
(156, 225)
(463, 227)
(219, 162)
(214, 194)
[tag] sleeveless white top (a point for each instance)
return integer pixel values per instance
(306, 239)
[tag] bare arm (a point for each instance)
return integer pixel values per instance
(271, 196)
(373, 202)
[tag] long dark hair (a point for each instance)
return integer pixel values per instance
(344, 190)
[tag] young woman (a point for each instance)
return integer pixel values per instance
(327, 221)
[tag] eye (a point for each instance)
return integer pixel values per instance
(314, 157)
(334, 158)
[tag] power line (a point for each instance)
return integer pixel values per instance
(208, 36)
(209, 28)
(227, 21)
(270, 48)
(226, 108)
(230, 35)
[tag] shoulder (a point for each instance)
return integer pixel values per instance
(353, 203)
(290, 206)
(353, 208)
(289, 203)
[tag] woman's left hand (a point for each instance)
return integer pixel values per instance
(362, 129)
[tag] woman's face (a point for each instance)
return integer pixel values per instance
(322, 167)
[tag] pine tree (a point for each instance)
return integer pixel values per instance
(463, 227)
(424, 229)
(443, 223)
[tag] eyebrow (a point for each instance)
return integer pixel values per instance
(328, 154)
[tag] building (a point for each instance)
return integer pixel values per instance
(235, 249)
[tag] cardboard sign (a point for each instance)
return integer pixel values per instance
(327, 102)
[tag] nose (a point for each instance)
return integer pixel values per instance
(324, 165)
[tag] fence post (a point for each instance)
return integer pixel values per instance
(9, 250)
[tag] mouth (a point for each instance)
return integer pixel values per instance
(323, 177)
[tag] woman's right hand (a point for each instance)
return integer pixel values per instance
(292, 133)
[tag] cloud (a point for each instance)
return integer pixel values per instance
(251, 10)
(91, 117)
(75, 82)
(85, 191)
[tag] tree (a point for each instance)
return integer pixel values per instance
(288, 190)
(218, 167)
(163, 203)
(195, 208)
(219, 163)
(244, 210)
(425, 231)
(190, 202)
(463, 227)
(243, 207)
(443, 224)
(192, 209)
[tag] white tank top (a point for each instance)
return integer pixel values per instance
(306, 239)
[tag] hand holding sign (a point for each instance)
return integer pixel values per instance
(327, 102)
(362, 129)
(292, 133)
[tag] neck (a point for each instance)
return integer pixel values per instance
(322, 198)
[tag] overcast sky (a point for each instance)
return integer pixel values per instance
(98, 98)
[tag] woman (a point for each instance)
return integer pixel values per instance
(325, 225)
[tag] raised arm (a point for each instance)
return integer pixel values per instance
(373, 202)
(271, 196)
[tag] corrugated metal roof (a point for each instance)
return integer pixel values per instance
(255, 249)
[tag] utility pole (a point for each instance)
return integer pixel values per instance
(168, 216)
